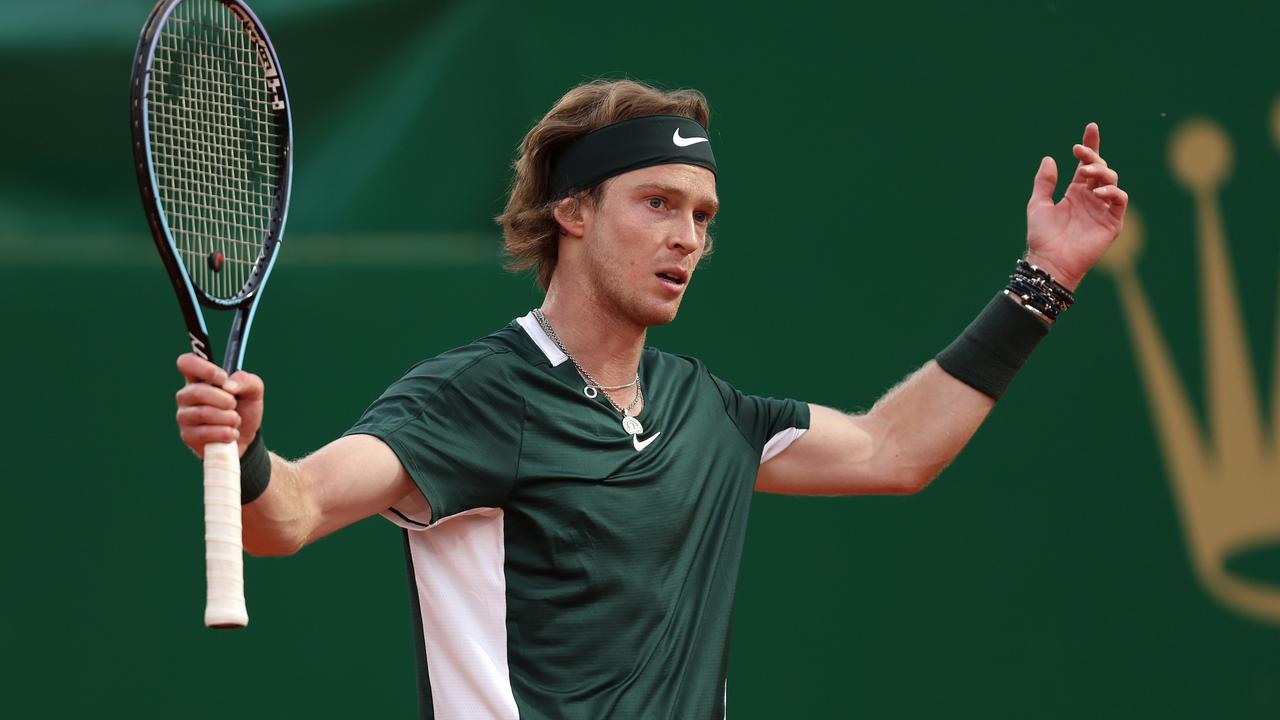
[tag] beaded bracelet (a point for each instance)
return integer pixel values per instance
(991, 351)
(1037, 292)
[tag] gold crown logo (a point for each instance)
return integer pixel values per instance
(1226, 481)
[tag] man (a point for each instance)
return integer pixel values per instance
(574, 503)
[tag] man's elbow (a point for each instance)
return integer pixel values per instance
(277, 541)
(909, 481)
(271, 548)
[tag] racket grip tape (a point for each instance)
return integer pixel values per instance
(223, 542)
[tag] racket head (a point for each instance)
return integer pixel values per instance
(213, 139)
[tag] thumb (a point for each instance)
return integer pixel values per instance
(1045, 183)
(245, 386)
(248, 389)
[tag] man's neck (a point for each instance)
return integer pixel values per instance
(605, 344)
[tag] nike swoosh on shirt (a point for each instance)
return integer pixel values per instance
(685, 142)
(635, 440)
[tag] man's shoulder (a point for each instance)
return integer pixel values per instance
(680, 365)
(475, 377)
(475, 362)
(692, 372)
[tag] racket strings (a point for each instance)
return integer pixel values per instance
(215, 145)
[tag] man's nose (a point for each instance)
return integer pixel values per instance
(686, 236)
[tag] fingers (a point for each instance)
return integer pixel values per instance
(1093, 170)
(215, 408)
(1045, 181)
(244, 385)
(1092, 137)
(1116, 198)
(206, 414)
(196, 369)
(197, 415)
(197, 436)
(1100, 173)
(203, 394)
(1086, 154)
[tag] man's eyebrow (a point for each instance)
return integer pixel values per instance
(713, 202)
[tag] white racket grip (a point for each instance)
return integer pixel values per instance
(223, 542)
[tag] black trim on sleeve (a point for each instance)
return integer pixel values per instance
(408, 519)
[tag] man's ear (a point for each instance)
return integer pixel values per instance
(568, 213)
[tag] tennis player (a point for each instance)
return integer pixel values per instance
(574, 504)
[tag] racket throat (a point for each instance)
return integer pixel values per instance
(238, 338)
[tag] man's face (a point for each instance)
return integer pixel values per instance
(645, 237)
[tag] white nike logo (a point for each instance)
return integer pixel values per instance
(635, 440)
(685, 142)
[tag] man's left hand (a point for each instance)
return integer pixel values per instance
(1067, 238)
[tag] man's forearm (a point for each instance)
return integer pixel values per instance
(925, 421)
(350, 478)
(932, 415)
(280, 520)
(917, 428)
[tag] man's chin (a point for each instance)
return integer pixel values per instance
(660, 315)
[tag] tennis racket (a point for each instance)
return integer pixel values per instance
(212, 145)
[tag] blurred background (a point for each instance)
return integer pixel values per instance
(1061, 568)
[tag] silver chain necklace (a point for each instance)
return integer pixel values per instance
(629, 423)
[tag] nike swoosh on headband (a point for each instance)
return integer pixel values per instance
(636, 440)
(685, 142)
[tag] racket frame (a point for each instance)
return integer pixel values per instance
(189, 295)
(225, 607)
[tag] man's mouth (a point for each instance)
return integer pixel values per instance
(673, 277)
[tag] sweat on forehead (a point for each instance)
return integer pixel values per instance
(629, 145)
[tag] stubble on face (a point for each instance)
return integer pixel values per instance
(610, 271)
(627, 248)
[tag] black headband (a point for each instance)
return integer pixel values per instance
(629, 145)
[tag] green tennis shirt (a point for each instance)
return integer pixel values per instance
(566, 569)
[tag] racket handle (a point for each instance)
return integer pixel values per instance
(223, 542)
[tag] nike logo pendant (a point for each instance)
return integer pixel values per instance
(685, 142)
(635, 440)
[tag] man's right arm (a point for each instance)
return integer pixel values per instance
(347, 480)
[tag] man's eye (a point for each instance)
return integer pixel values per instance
(655, 203)
(701, 217)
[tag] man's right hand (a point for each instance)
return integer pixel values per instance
(214, 408)
(351, 478)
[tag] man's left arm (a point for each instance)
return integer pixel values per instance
(896, 448)
(918, 427)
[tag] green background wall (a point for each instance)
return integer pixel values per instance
(875, 163)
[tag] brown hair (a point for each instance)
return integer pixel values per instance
(529, 229)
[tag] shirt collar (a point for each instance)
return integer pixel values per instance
(539, 337)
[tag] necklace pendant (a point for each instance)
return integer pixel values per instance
(632, 425)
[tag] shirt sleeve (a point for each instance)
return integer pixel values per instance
(768, 424)
(457, 431)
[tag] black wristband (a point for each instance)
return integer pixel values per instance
(255, 470)
(994, 347)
